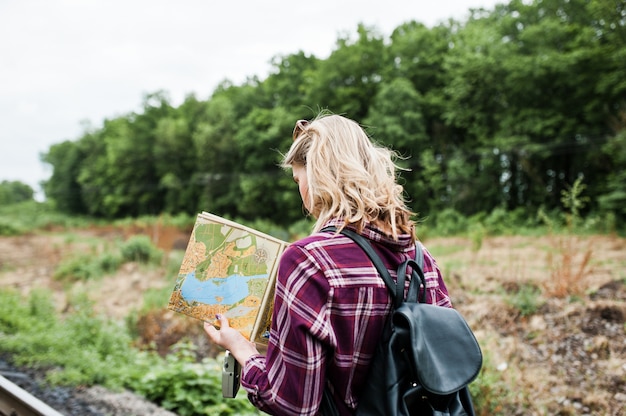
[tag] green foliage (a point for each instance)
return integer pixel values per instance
(496, 114)
(81, 267)
(8, 227)
(84, 349)
(450, 222)
(27, 216)
(349, 78)
(477, 233)
(614, 200)
(63, 186)
(490, 393)
(573, 202)
(80, 349)
(300, 229)
(188, 387)
(13, 192)
(527, 300)
(104, 260)
(139, 248)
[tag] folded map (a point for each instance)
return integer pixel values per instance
(229, 269)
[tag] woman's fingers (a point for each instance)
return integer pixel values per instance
(230, 339)
(212, 332)
(216, 335)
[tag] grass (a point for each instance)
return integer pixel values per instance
(84, 349)
(29, 216)
(527, 299)
(101, 259)
(569, 265)
(444, 250)
(490, 395)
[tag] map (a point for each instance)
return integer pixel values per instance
(228, 269)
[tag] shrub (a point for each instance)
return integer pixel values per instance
(31, 215)
(527, 300)
(109, 262)
(139, 248)
(191, 388)
(490, 393)
(10, 227)
(450, 222)
(476, 234)
(79, 350)
(82, 267)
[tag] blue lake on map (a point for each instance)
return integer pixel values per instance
(231, 289)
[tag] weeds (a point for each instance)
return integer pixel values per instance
(527, 300)
(84, 349)
(93, 265)
(568, 265)
(188, 387)
(81, 349)
(490, 393)
(139, 248)
(568, 268)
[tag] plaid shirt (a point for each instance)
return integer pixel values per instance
(329, 312)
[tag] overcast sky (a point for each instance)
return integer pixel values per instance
(64, 62)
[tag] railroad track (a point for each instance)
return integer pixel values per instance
(15, 401)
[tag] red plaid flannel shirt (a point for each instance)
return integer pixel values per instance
(329, 311)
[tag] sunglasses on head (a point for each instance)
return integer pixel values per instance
(299, 128)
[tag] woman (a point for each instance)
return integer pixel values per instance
(330, 303)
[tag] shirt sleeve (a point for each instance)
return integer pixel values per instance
(289, 380)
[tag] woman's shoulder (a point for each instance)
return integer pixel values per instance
(316, 240)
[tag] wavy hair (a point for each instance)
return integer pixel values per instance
(349, 176)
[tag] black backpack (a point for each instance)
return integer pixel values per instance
(427, 356)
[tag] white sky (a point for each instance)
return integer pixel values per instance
(63, 62)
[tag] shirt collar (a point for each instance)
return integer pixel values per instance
(404, 241)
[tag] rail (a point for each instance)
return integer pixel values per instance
(15, 401)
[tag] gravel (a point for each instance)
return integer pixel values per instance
(92, 401)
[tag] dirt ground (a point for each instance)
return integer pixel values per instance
(566, 355)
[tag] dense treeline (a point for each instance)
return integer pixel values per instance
(505, 110)
(13, 192)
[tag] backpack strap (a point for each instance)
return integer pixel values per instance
(419, 255)
(395, 288)
(417, 277)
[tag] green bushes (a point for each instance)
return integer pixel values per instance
(139, 248)
(84, 349)
(499, 221)
(28, 216)
(527, 299)
(9, 227)
(189, 388)
(81, 349)
(490, 393)
(105, 260)
(84, 267)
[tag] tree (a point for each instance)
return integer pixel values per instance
(287, 85)
(417, 53)
(13, 192)
(63, 186)
(217, 160)
(523, 81)
(349, 78)
(614, 198)
(396, 121)
(266, 191)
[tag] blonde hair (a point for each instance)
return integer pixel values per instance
(348, 175)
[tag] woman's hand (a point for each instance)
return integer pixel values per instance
(231, 340)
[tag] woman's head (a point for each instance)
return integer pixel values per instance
(346, 174)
